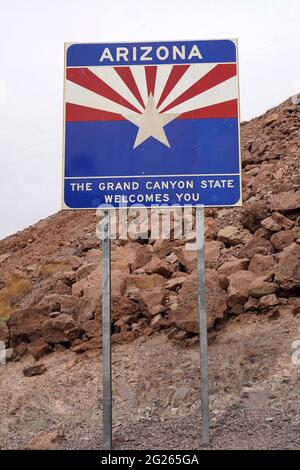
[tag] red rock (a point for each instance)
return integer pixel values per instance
(60, 329)
(122, 338)
(287, 272)
(39, 348)
(257, 245)
(210, 228)
(285, 201)
(25, 325)
(187, 259)
(212, 253)
(175, 283)
(85, 270)
(156, 265)
(259, 287)
(238, 289)
(186, 316)
(148, 291)
(282, 239)
(267, 301)
(282, 221)
(214, 279)
(121, 306)
(143, 256)
(82, 346)
(261, 264)
(37, 369)
(232, 235)
(251, 305)
(271, 119)
(230, 267)
(253, 213)
(270, 224)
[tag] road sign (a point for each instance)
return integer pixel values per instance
(151, 124)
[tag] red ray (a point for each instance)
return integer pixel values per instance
(217, 75)
(126, 75)
(75, 112)
(150, 72)
(176, 73)
(227, 109)
(87, 79)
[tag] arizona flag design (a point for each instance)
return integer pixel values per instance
(163, 116)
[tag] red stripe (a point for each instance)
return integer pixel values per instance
(217, 75)
(87, 79)
(75, 112)
(227, 109)
(126, 75)
(176, 73)
(150, 72)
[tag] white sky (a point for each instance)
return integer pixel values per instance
(32, 34)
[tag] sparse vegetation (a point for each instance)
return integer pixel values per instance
(14, 289)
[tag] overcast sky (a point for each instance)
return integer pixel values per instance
(32, 34)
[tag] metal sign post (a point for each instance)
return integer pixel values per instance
(106, 333)
(202, 325)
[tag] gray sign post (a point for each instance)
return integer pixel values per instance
(106, 333)
(202, 325)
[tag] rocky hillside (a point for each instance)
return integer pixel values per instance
(50, 273)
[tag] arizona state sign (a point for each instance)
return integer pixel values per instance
(152, 123)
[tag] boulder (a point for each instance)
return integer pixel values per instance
(39, 348)
(287, 272)
(282, 221)
(267, 301)
(282, 239)
(232, 235)
(143, 256)
(148, 291)
(61, 329)
(210, 228)
(81, 310)
(212, 253)
(236, 264)
(52, 302)
(270, 224)
(25, 325)
(261, 264)
(186, 316)
(285, 201)
(123, 338)
(251, 305)
(37, 369)
(187, 259)
(271, 119)
(158, 266)
(238, 289)
(259, 287)
(257, 245)
(214, 279)
(124, 307)
(175, 283)
(85, 270)
(80, 346)
(253, 213)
